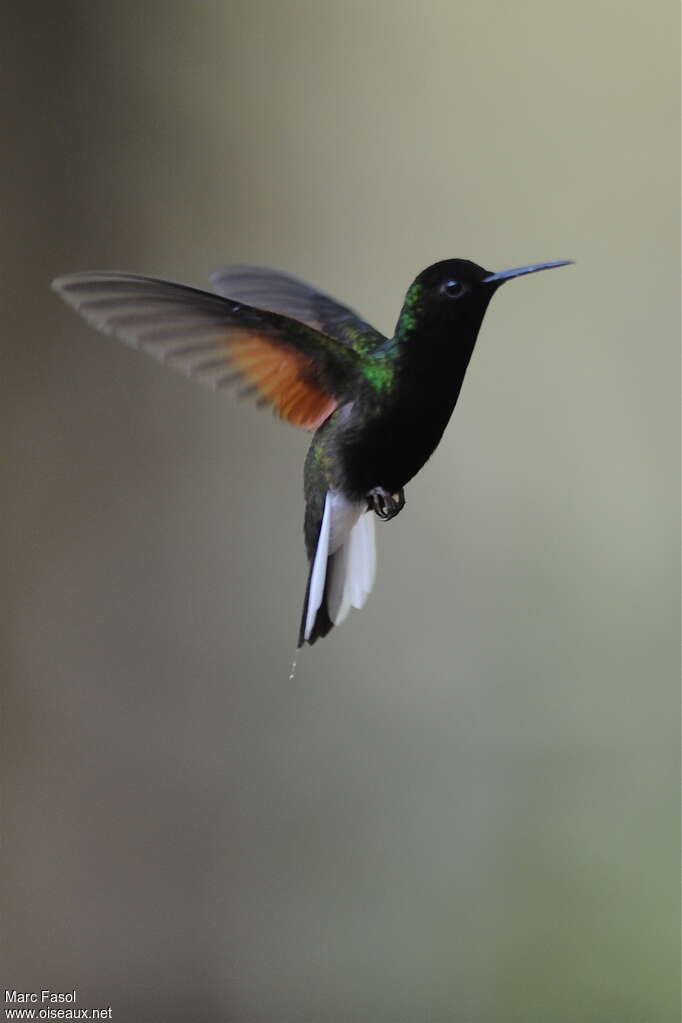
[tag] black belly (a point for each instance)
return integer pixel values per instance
(388, 449)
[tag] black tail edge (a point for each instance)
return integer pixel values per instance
(323, 623)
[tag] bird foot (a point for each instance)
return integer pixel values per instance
(384, 504)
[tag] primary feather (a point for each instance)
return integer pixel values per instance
(301, 372)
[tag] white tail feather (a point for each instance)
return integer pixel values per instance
(351, 570)
(345, 560)
(319, 570)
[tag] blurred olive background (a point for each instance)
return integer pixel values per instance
(464, 808)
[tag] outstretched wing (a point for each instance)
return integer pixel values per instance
(282, 293)
(303, 374)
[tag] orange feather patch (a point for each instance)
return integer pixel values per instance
(283, 377)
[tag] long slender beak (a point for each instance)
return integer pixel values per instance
(519, 271)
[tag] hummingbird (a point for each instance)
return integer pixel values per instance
(378, 405)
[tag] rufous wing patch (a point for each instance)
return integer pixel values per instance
(283, 377)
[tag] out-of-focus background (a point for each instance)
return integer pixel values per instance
(464, 808)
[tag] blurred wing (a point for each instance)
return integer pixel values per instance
(301, 373)
(281, 293)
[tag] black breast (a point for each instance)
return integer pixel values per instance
(386, 445)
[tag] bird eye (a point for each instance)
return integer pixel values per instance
(453, 289)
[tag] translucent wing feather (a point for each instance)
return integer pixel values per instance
(303, 374)
(282, 293)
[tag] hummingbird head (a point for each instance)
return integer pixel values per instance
(448, 300)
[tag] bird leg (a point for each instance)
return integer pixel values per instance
(385, 505)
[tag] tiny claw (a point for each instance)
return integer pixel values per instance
(384, 504)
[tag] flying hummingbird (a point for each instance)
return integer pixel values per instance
(378, 405)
